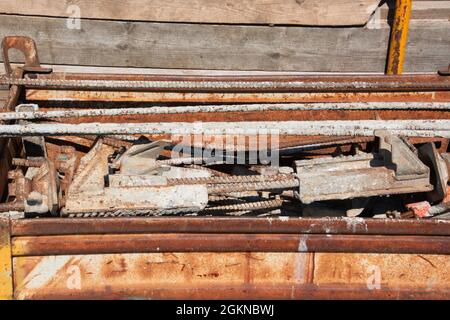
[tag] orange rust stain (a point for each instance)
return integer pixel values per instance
(194, 272)
(396, 270)
(114, 267)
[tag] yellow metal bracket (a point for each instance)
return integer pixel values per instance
(6, 277)
(399, 37)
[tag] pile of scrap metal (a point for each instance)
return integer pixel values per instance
(69, 166)
(121, 178)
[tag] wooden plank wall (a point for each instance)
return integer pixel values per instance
(295, 35)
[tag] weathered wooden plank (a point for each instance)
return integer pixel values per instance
(159, 71)
(421, 10)
(304, 12)
(193, 46)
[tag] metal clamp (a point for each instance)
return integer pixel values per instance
(28, 47)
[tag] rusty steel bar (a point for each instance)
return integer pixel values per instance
(27, 162)
(287, 183)
(399, 37)
(323, 144)
(33, 115)
(169, 242)
(49, 226)
(241, 83)
(418, 128)
(247, 206)
(230, 179)
(110, 141)
(188, 160)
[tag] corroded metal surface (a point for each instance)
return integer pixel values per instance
(28, 48)
(415, 128)
(393, 169)
(46, 226)
(427, 272)
(192, 242)
(223, 108)
(138, 275)
(219, 257)
(242, 83)
(232, 276)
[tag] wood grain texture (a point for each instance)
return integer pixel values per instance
(304, 12)
(230, 47)
(421, 10)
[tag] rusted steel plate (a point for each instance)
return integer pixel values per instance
(430, 272)
(169, 242)
(6, 283)
(160, 97)
(80, 226)
(101, 275)
(228, 276)
(249, 292)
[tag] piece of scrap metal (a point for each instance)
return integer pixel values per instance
(135, 190)
(395, 169)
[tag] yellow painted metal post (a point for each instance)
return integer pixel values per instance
(399, 37)
(6, 277)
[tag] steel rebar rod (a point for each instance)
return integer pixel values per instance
(189, 160)
(247, 206)
(27, 162)
(350, 83)
(253, 186)
(229, 179)
(32, 115)
(418, 128)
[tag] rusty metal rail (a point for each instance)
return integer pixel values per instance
(356, 226)
(230, 242)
